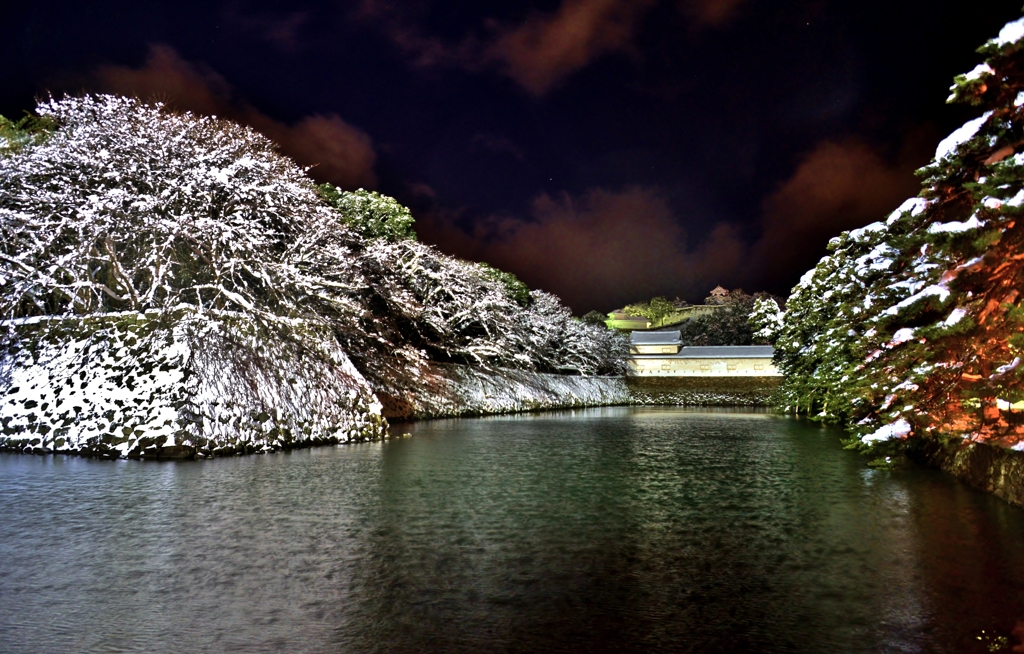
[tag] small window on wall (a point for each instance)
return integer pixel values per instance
(666, 366)
(705, 366)
(730, 366)
(758, 366)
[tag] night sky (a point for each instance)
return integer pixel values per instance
(603, 150)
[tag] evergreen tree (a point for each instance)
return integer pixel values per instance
(913, 326)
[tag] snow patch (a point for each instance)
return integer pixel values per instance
(902, 336)
(861, 232)
(131, 386)
(955, 226)
(898, 429)
(956, 316)
(1002, 370)
(1011, 33)
(913, 205)
(960, 136)
(935, 290)
(978, 71)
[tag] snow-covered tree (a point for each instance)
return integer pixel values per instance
(766, 319)
(124, 206)
(914, 325)
(128, 207)
(171, 285)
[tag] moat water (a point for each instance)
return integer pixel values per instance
(648, 530)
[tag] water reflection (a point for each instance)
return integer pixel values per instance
(598, 530)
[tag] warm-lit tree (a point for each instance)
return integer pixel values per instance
(914, 325)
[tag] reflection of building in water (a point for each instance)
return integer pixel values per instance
(661, 353)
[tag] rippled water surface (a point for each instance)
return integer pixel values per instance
(601, 530)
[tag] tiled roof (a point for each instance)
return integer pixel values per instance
(655, 338)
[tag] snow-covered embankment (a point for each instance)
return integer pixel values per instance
(178, 385)
(451, 390)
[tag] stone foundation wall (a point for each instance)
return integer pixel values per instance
(451, 390)
(176, 386)
(702, 391)
(990, 468)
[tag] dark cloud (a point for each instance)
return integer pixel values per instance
(543, 50)
(281, 30)
(338, 152)
(605, 248)
(711, 13)
(836, 187)
(499, 145)
(596, 251)
(423, 50)
(547, 48)
(421, 190)
(538, 53)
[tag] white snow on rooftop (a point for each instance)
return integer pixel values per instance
(654, 338)
(727, 351)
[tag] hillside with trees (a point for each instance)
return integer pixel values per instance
(914, 326)
(723, 319)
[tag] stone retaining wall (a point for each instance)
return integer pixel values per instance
(452, 390)
(990, 468)
(702, 391)
(177, 386)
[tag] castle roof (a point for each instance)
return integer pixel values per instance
(655, 338)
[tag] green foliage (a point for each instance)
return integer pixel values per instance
(656, 310)
(514, 289)
(595, 318)
(371, 214)
(30, 130)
